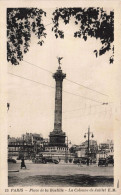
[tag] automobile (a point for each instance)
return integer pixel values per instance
(103, 162)
(110, 160)
(55, 161)
(10, 160)
(39, 160)
(50, 160)
(43, 160)
(76, 161)
(84, 160)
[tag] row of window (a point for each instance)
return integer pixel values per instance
(19, 143)
(13, 149)
(58, 148)
(17, 149)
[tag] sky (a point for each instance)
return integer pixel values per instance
(32, 104)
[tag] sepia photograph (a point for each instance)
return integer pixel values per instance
(60, 98)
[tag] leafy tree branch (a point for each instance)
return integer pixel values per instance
(93, 22)
(21, 22)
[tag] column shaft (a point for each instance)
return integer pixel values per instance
(58, 106)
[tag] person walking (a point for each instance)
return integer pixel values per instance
(23, 163)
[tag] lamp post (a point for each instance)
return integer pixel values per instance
(68, 142)
(23, 146)
(88, 148)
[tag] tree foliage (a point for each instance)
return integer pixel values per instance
(93, 22)
(20, 23)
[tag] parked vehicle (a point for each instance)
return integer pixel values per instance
(110, 160)
(39, 160)
(10, 160)
(76, 161)
(103, 162)
(44, 160)
(50, 160)
(84, 160)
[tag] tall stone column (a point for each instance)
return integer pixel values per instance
(58, 76)
(57, 136)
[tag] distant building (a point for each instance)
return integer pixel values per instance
(13, 146)
(82, 150)
(32, 137)
(45, 142)
(106, 149)
(26, 146)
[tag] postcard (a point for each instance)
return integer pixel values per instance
(60, 110)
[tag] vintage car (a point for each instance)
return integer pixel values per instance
(84, 160)
(10, 160)
(103, 162)
(43, 160)
(38, 160)
(110, 160)
(76, 161)
(93, 161)
(50, 160)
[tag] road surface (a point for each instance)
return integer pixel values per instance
(60, 175)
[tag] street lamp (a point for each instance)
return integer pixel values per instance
(68, 142)
(88, 134)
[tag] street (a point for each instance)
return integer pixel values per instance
(60, 175)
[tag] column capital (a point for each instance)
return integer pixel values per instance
(59, 75)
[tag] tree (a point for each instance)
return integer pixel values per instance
(93, 22)
(21, 22)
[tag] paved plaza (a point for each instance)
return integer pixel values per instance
(59, 175)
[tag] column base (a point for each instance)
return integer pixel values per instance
(57, 138)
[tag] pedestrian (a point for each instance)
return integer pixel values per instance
(23, 163)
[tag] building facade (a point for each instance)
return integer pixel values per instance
(106, 149)
(82, 150)
(27, 146)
